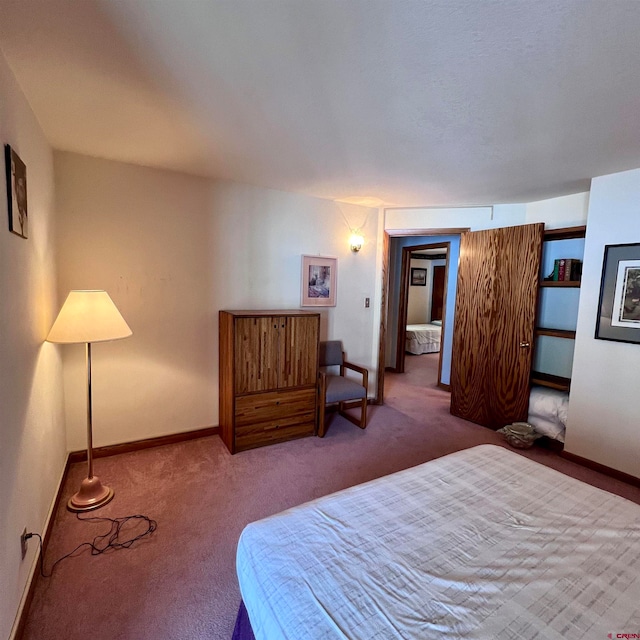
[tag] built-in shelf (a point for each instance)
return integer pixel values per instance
(560, 283)
(555, 333)
(565, 234)
(551, 381)
(538, 377)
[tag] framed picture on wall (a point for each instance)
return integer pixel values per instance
(319, 278)
(619, 308)
(418, 277)
(16, 172)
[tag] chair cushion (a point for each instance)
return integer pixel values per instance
(340, 389)
(330, 353)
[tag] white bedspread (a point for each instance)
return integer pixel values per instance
(423, 338)
(482, 543)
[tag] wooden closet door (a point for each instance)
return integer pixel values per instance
(494, 324)
(471, 352)
(299, 351)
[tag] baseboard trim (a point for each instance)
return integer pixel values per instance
(79, 456)
(601, 468)
(147, 443)
(21, 622)
(446, 387)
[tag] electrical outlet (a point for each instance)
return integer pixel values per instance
(23, 542)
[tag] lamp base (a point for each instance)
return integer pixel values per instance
(92, 495)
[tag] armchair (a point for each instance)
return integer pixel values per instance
(339, 389)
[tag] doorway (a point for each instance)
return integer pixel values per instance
(392, 282)
(421, 328)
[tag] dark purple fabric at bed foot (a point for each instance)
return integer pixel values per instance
(242, 630)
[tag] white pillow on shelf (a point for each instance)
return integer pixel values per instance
(548, 410)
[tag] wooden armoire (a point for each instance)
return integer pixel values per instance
(268, 376)
(496, 299)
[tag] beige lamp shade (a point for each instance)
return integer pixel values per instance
(88, 316)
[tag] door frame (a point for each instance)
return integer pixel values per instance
(386, 259)
(404, 302)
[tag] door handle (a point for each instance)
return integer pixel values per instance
(524, 345)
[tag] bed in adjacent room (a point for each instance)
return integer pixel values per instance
(482, 543)
(423, 338)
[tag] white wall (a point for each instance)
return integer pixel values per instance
(474, 218)
(418, 299)
(143, 236)
(556, 213)
(172, 250)
(32, 440)
(603, 418)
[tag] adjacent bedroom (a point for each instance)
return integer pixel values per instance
(425, 302)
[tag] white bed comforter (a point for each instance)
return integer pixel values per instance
(482, 543)
(423, 338)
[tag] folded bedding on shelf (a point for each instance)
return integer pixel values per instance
(548, 409)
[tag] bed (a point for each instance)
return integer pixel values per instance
(423, 338)
(482, 543)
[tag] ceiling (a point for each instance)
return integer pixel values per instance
(401, 102)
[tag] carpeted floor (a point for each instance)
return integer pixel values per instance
(181, 582)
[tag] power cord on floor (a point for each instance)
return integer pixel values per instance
(101, 543)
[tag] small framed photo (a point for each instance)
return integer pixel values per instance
(619, 307)
(16, 172)
(418, 277)
(319, 277)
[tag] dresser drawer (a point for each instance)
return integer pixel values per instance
(270, 432)
(269, 407)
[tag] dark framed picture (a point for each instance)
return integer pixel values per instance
(16, 192)
(619, 308)
(418, 277)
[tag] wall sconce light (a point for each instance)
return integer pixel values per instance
(356, 240)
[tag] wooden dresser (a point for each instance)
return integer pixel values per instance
(268, 376)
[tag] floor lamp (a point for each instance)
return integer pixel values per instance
(86, 317)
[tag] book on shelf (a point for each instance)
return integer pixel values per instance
(576, 270)
(566, 270)
(573, 269)
(562, 263)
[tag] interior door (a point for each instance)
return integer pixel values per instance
(437, 293)
(495, 313)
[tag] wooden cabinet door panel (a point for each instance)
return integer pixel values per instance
(256, 354)
(299, 351)
(495, 313)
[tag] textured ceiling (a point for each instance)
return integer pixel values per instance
(407, 102)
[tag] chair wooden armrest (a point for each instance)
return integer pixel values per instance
(357, 368)
(322, 393)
